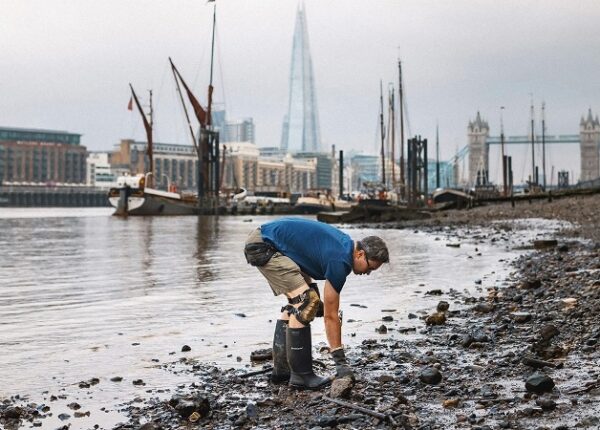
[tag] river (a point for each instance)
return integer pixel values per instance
(84, 294)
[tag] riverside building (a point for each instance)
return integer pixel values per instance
(32, 156)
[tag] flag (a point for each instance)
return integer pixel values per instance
(130, 104)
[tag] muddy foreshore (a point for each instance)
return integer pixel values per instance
(523, 355)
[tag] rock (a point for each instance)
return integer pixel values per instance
(412, 316)
(483, 308)
(548, 331)
(546, 404)
(341, 387)
(430, 376)
(74, 406)
(385, 378)
(437, 318)
(544, 244)
(531, 284)
(382, 329)
(451, 403)
(138, 382)
(436, 292)
(443, 306)
(64, 417)
(261, 354)
(521, 317)
(12, 412)
(185, 348)
(539, 383)
(387, 318)
(116, 379)
(480, 336)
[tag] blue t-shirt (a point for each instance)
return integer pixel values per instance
(320, 250)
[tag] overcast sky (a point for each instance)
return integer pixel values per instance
(66, 64)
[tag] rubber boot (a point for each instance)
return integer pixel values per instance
(299, 353)
(281, 369)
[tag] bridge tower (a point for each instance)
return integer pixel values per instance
(589, 131)
(478, 133)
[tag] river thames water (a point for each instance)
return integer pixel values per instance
(84, 294)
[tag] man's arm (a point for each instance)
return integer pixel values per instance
(333, 330)
(333, 326)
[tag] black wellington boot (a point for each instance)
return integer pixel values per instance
(299, 353)
(281, 369)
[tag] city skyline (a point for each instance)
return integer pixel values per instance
(69, 63)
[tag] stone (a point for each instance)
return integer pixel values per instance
(431, 376)
(437, 318)
(483, 308)
(341, 387)
(443, 306)
(539, 383)
(521, 317)
(382, 329)
(546, 404)
(185, 348)
(548, 331)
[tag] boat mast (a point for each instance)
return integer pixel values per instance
(187, 116)
(212, 55)
(504, 166)
(382, 133)
(401, 103)
(150, 143)
(544, 142)
(392, 119)
(533, 178)
(148, 127)
(437, 155)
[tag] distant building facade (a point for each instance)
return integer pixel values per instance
(238, 130)
(41, 156)
(243, 167)
(100, 173)
(173, 163)
(300, 132)
(365, 168)
(589, 131)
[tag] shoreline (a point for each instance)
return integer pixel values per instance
(478, 350)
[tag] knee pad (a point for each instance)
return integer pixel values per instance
(309, 305)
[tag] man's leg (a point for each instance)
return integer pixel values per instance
(299, 341)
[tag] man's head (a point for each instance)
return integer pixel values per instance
(368, 255)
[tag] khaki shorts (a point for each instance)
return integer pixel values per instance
(283, 275)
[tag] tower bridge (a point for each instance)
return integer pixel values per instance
(588, 139)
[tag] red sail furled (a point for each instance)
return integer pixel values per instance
(198, 109)
(148, 128)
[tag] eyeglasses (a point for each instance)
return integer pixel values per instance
(369, 268)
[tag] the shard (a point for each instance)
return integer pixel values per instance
(301, 124)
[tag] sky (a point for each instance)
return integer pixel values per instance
(67, 64)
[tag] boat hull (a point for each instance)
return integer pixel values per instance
(151, 203)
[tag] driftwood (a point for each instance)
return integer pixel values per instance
(383, 417)
(535, 363)
(257, 372)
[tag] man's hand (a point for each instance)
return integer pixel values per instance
(341, 364)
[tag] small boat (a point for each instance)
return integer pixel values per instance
(449, 198)
(132, 197)
(313, 205)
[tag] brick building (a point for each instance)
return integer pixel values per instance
(41, 156)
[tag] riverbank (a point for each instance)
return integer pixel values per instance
(464, 366)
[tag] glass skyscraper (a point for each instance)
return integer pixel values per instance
(301, 124)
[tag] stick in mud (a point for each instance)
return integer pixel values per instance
(257, 372)
(375, 414)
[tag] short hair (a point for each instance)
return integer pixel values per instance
(375, 248)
